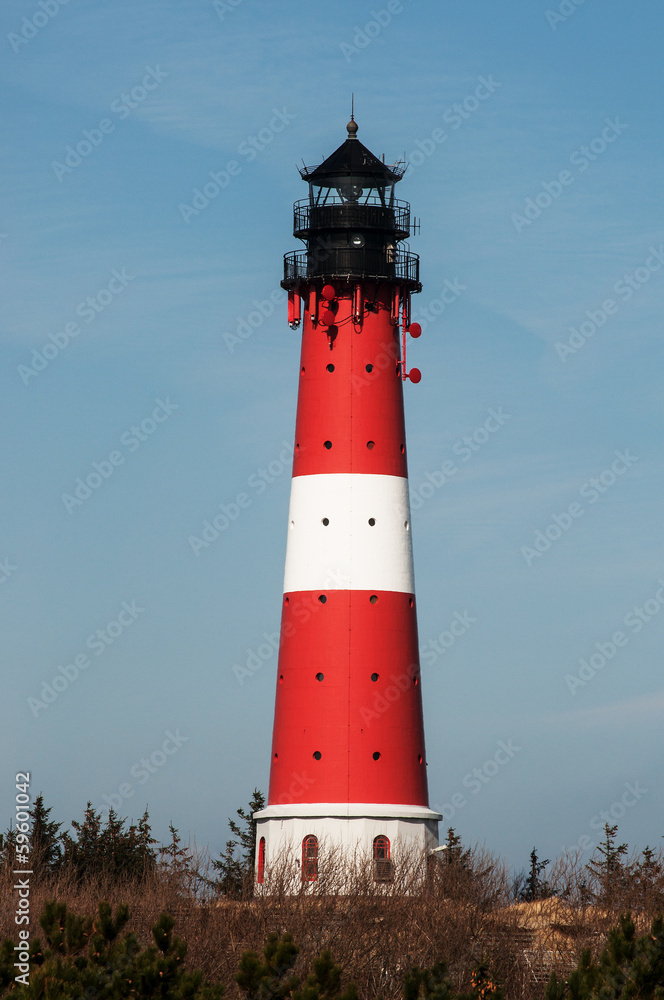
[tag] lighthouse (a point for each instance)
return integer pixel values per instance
(348, 762)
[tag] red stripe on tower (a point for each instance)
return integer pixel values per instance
(348, 756)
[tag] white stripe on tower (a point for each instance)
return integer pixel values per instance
(349, 532)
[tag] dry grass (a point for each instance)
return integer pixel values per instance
(375, 931)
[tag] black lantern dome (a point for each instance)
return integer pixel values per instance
(351, 222)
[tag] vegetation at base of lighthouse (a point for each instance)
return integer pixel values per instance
(471, 930)
(99, 957)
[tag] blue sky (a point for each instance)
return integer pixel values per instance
(534, 136)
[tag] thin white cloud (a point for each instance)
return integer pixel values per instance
(634, 712)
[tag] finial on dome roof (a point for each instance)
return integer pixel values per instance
(351, 128)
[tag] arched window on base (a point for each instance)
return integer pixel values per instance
(383, 868)
(260, 873)
(310, 859)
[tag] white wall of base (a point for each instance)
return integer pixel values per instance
(345, 833)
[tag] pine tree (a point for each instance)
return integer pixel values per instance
(98, 959)
(455, 853)
(45, 840)
(144, 853)
(83, 855)
(324, 982)
(273, 977)
(629, 968)
(181, 866)
(428, 984)
(648, 875)
(160, 971)
(453, 871)
(173, 857)
(232, 872)
(8, 851)
(434, 984)
(535, 886)
(110, 850)
(608, 871)
(236, 874)
(247, 837)
(113, 845)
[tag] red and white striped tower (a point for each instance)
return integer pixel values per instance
(348, 759)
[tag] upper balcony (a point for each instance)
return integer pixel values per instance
(337, 213)
(350, 264)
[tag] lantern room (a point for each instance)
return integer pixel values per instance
(351, 222)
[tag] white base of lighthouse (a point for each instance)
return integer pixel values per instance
(332, 842)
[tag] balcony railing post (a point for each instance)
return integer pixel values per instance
(387, 265)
